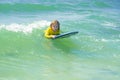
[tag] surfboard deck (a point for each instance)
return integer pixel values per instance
(66, 34)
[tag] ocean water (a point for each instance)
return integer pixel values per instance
(92, 54)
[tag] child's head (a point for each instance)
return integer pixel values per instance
(55, 25)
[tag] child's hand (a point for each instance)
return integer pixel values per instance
(53, 36)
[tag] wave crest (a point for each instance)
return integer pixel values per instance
(25, 28)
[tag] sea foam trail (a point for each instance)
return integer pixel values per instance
(25, 28)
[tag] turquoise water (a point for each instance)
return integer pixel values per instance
(92, 54)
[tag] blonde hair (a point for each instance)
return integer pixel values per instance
(55, 22)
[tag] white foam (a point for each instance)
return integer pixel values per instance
(107, 40)
(110, 24)
(26, 28)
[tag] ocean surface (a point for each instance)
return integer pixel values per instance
(92, 54)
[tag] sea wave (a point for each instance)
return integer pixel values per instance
(7, 7)
(25, 28)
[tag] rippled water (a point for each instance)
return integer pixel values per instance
(92, 54)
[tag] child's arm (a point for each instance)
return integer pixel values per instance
(47, 35)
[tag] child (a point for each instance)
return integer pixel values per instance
(53, 29)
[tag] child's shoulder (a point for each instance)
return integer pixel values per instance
(48, 29)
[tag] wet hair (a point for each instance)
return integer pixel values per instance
(55, 22)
